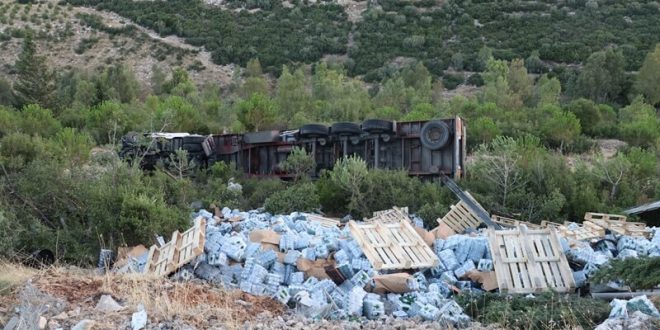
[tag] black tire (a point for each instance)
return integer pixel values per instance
(434, 135)
(378, 126)
(313, 131)
(345, 129)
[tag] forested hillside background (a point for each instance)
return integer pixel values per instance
(560, 98)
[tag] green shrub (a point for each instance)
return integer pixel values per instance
(35, 120)
(638, 273)
(451, 81)
(333, 199)
(391, 188)
(85, 44)
(476, 80)
(298, 197)
(256, 191)
(545, 311)
(19, 149)
(11, 233)
(143, 216)
(299, 163)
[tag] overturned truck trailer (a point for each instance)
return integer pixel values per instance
(422, 148)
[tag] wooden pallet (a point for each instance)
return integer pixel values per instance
(584, 232)
(393, 245)
(323, 221)
(180, 250)
(403, 210)
(460, 217)
(604, 216)
(550, 224)
(620, 227)
(392, 215)
(511, 223)
(529, 261)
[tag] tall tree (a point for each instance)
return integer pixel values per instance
(7, 96)
(257, 112)
(499, 164)
(603, 76)
(497, 89)
(519, 81)
(292, 96)
(639, 124)
(648, 79)
(254, 81)
(35, 83)
(558, 126)
(337, 97)
(547, 91)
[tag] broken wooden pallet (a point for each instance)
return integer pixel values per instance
(392, 215)
(180, 250)
(511, 223)
(323, 221)
(460, 217)
(529, 261)
(393, 245)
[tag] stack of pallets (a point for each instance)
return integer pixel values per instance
(617, 224)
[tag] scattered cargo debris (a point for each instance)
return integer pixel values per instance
(388, 264)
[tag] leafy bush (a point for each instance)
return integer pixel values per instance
(11, 234)
(256, 191)
(638, 273)
(451, 81)
(300, 197)
(143, 216)
(299, 163)
(545, 311)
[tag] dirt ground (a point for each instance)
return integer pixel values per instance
(71, 295)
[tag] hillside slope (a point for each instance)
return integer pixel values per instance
(85, 38)
(373, 34)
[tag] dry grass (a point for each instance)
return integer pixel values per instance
(12, 278)
(13, 275)
(195, 303)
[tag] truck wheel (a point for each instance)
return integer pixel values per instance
(345, 129)
(378, 126)
(313, 131)
(434, 135)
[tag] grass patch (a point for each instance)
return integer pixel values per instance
(546, 311)
(12, 276)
